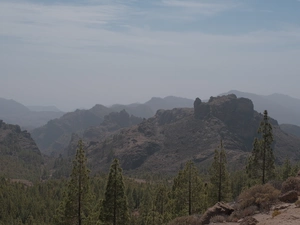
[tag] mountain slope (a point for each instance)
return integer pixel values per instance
(13, 112)
(55, 136)
(20, 158)
(166, 141)
(291, 129)
(283, 108)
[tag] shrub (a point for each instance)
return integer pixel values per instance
(218, 219)
(262, 196)
(291, 184)
(297, 203)
(276, 213)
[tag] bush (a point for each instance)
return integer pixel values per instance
(291, 184)
(297, 203)
(262, 196)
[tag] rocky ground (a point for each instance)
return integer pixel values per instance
(288, 214)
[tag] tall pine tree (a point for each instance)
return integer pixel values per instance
(261, 162)
(75, 207)
(114, 206)
(187, 191)
(219, 177)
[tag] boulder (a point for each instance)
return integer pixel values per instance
(289, 197)
(218, 209)
(249, 220)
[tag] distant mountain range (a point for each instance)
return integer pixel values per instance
(55, 136)
(13, 112)
(163, 143)
(38, 108)
(283, 108)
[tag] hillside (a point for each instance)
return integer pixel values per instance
(13, 112)
(55, 136)
(291, 129)
(166, 141)
(20, 158)
(284, 108)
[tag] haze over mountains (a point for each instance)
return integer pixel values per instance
(13, 112)
(282, 107)
(163, 131)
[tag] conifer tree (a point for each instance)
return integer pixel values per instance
(114, 206)
(75, 207)
(287, 169)
(187, 191)
(261, 162)
(219, 177)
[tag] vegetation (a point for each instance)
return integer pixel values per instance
(114, 199)
(261, 162)
(114, 206)
(219, 177)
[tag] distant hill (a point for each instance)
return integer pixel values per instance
(163, 143)
(291, 129)
(283, 108)
(38, 108)
(56, 134)
(139, 110)
(169, 102)
(13, 112)
(20, 158)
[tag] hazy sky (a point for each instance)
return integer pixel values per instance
(73, 54)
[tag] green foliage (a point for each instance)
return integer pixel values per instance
(114, 206)
(261, 162)
(75, 208)
(187, 191)
(219, 177)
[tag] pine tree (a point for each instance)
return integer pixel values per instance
(261, 162)
(75, 207)
(219, 177)
(114, 207)
(287, 169)
(187, 191)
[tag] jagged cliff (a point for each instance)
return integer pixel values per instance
(170, 138)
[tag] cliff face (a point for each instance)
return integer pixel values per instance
(20, 157)
(170, 138)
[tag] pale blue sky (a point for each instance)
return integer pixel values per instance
(78, 53)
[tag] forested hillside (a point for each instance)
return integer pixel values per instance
(20, 158)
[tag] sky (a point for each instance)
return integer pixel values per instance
(78, 53)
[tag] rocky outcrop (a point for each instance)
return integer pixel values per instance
(190, 134)
(218, 209)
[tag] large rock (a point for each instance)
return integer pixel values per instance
(289, 197)
(218, 209)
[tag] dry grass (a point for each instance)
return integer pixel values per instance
(276, 213)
